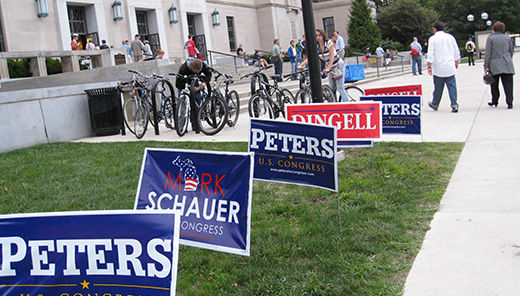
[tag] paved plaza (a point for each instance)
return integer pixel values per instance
(473, 246)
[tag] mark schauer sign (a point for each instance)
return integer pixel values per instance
(294, 153)
(89, 253)
(212, 190)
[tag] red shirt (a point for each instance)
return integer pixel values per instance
(190, 45)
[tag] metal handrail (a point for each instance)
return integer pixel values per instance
(211, 52)
(264, 51)
(359, 54)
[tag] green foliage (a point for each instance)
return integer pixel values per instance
(53, 66)
(361, 240)
(19, 68)
(402, 20)
(392, 45)
(455, 12)
(362, 31)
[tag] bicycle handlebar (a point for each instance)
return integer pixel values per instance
(145, 76)
(257, 71)
(296, 73)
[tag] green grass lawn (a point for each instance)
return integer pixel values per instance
(305, 241)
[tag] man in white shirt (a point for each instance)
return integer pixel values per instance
(443, 62)
(380, 52)
(340, 44)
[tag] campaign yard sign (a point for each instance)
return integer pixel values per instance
(353, 120)
(355, 143)
(401, 114)
(294, 153)
(89, 253)
(212, 191)
(406, 90)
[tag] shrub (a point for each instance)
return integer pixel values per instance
(19, 68)
(53, 66)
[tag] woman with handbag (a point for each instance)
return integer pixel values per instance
(499, 63)
(334, 64)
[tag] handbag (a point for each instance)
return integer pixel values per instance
(488, 78)
(335, 72)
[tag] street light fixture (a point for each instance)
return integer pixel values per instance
(118, 11)
(43, 9)
(489, 23)
(172, 12)
(216, 17)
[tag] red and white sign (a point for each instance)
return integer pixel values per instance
(406, 90)
(354, 120)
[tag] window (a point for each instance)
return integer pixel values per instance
(231, 33)
(142, 23)
(328, 25)
(2, 43)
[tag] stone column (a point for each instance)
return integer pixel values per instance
(4, 70)
(70, 63)
(37, 66)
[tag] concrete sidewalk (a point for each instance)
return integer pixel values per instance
(473, 247)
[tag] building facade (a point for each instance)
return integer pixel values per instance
(218, 25)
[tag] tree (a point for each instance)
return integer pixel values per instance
(362, 31)
(401, 20)
(455, 12)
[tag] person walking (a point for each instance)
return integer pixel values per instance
(443, 62)
(470, 47)
(137, 48)
(334, 64)
(294, 54)
(499, 62)
(388, 57)
(191, 47)
(340, 44)
(416, 56)
(380, 54)
(277, 59)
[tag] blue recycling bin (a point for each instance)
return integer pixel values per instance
(354, 73)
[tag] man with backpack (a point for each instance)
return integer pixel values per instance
(416, 56)
(470, 47)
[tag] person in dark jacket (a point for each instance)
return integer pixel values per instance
(499, 62)
(191, 67)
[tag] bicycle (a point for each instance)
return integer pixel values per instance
(304, 94)
(261, 103)
(211, 112)
(138, 109)
(230, 97)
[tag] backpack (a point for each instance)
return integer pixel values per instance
(414, 52)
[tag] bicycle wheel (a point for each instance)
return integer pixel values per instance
(260, 107)
(233, 107)
(141, 119)
(182, 113)
(329, 95)
(303, 96)
(212, 115)
(288, 97)
(169, 113)
(130, 113)
(161, 90)
(354, 93)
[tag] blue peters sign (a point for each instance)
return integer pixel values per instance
(89, 253)
(294, 153)
(401, 114)
(212, 190)
(355, 143)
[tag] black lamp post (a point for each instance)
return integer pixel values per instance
(312, 51)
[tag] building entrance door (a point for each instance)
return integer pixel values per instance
(194, 29)
(143, 29)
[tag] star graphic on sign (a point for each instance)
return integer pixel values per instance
(84, 284)
(290, 157)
